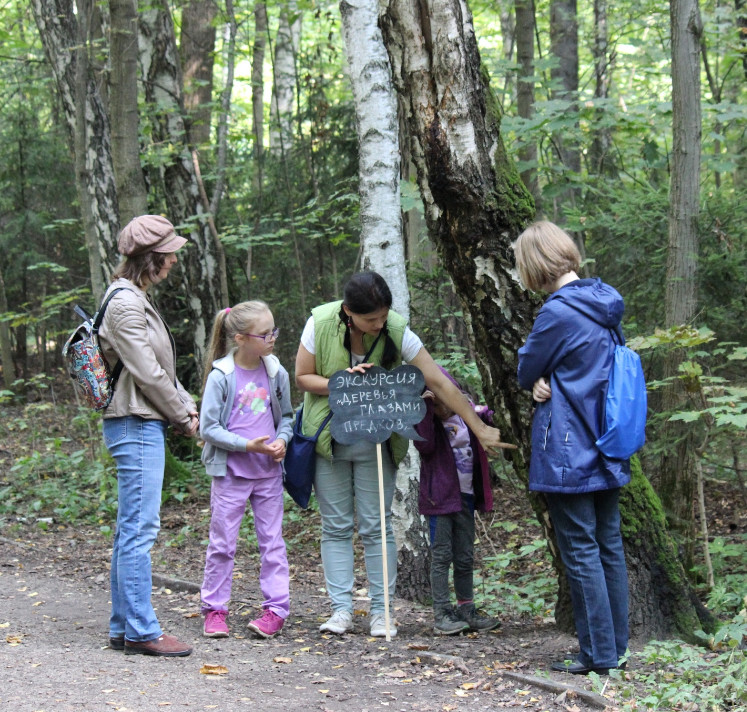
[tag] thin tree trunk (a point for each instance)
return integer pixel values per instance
(525, 91)
(132, 193)
(197, 49)
(258, 118)
(676, 485)
(284, 74)
(6, 347)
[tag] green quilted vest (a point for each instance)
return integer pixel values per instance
(332, 356)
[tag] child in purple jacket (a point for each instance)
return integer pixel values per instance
(454, 480)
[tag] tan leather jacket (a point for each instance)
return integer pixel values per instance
(134, 332)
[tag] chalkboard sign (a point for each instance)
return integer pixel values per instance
(372, 405)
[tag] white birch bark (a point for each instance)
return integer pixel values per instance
(378, 139)
(283, 103)
(381, 241)
(88, 125)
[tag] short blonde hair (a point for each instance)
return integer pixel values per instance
(544, 252)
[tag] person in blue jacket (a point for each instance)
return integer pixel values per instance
(566, 363)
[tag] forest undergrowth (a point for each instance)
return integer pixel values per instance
(54, 475)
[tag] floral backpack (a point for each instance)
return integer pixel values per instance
(85, 362)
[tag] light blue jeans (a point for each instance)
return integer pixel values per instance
(344, 486)
(138, 448)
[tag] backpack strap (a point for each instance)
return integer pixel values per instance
(117, 370)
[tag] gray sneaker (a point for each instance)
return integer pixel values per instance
(468, 613)
(447, 622)
(378, 626)
(340, 622)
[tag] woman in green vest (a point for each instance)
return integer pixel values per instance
(355, 333)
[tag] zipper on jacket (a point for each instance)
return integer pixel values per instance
(547, 430)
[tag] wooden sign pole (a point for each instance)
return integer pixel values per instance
(384, 560)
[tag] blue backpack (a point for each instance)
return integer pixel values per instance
(626, 405)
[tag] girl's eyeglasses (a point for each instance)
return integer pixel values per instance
(267, 338)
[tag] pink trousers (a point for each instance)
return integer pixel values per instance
(228, 499)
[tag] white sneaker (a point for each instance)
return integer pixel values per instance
(340, 622)
(378, 626)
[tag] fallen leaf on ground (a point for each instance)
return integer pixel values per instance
(285, 661)
(208, 669)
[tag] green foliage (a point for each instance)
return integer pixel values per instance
(518, 578)
(673, 675)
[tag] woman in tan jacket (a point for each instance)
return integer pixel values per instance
(147, 399)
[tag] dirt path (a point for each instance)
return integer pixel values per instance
(53, 623)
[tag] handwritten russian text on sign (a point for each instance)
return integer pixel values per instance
(372, 405)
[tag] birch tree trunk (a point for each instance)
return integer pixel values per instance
(382, 246)
(475, 206)
(132, 192)
(285, 76)
(201, 265)
(676, 485)
(88, 129)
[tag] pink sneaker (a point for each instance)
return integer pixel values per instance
(215, 624)
(268, 625)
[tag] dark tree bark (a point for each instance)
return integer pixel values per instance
(475, 206)
(132, 193)
(203, 261)
(525, 91)
(197, 49)
(676, 483)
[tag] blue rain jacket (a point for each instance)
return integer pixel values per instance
(572, 346)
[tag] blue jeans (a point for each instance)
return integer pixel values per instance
(138, 448)
(587, 528)
(346, 485)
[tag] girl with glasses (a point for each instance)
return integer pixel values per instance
(246, 423)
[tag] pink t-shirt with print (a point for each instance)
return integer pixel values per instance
(251, 417)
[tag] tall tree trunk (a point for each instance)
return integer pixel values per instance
(202, 265)
(285, 78)
(197, 50)
(132, 193)
(676, 485)
(475, 205)
(602, 141)
(258, 117)
(381, 241)
(88, 128)
(525, 92)
(564, 47)
(6, 348)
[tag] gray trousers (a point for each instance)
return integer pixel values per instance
(452, 542)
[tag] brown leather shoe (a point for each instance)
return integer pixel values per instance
(166, 646)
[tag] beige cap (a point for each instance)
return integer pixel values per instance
(146, 233)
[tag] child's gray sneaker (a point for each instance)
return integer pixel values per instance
(378, 626)
(340, 622)
(447, 622)
(468, 613)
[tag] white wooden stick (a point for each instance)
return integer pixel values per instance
(382, 513)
